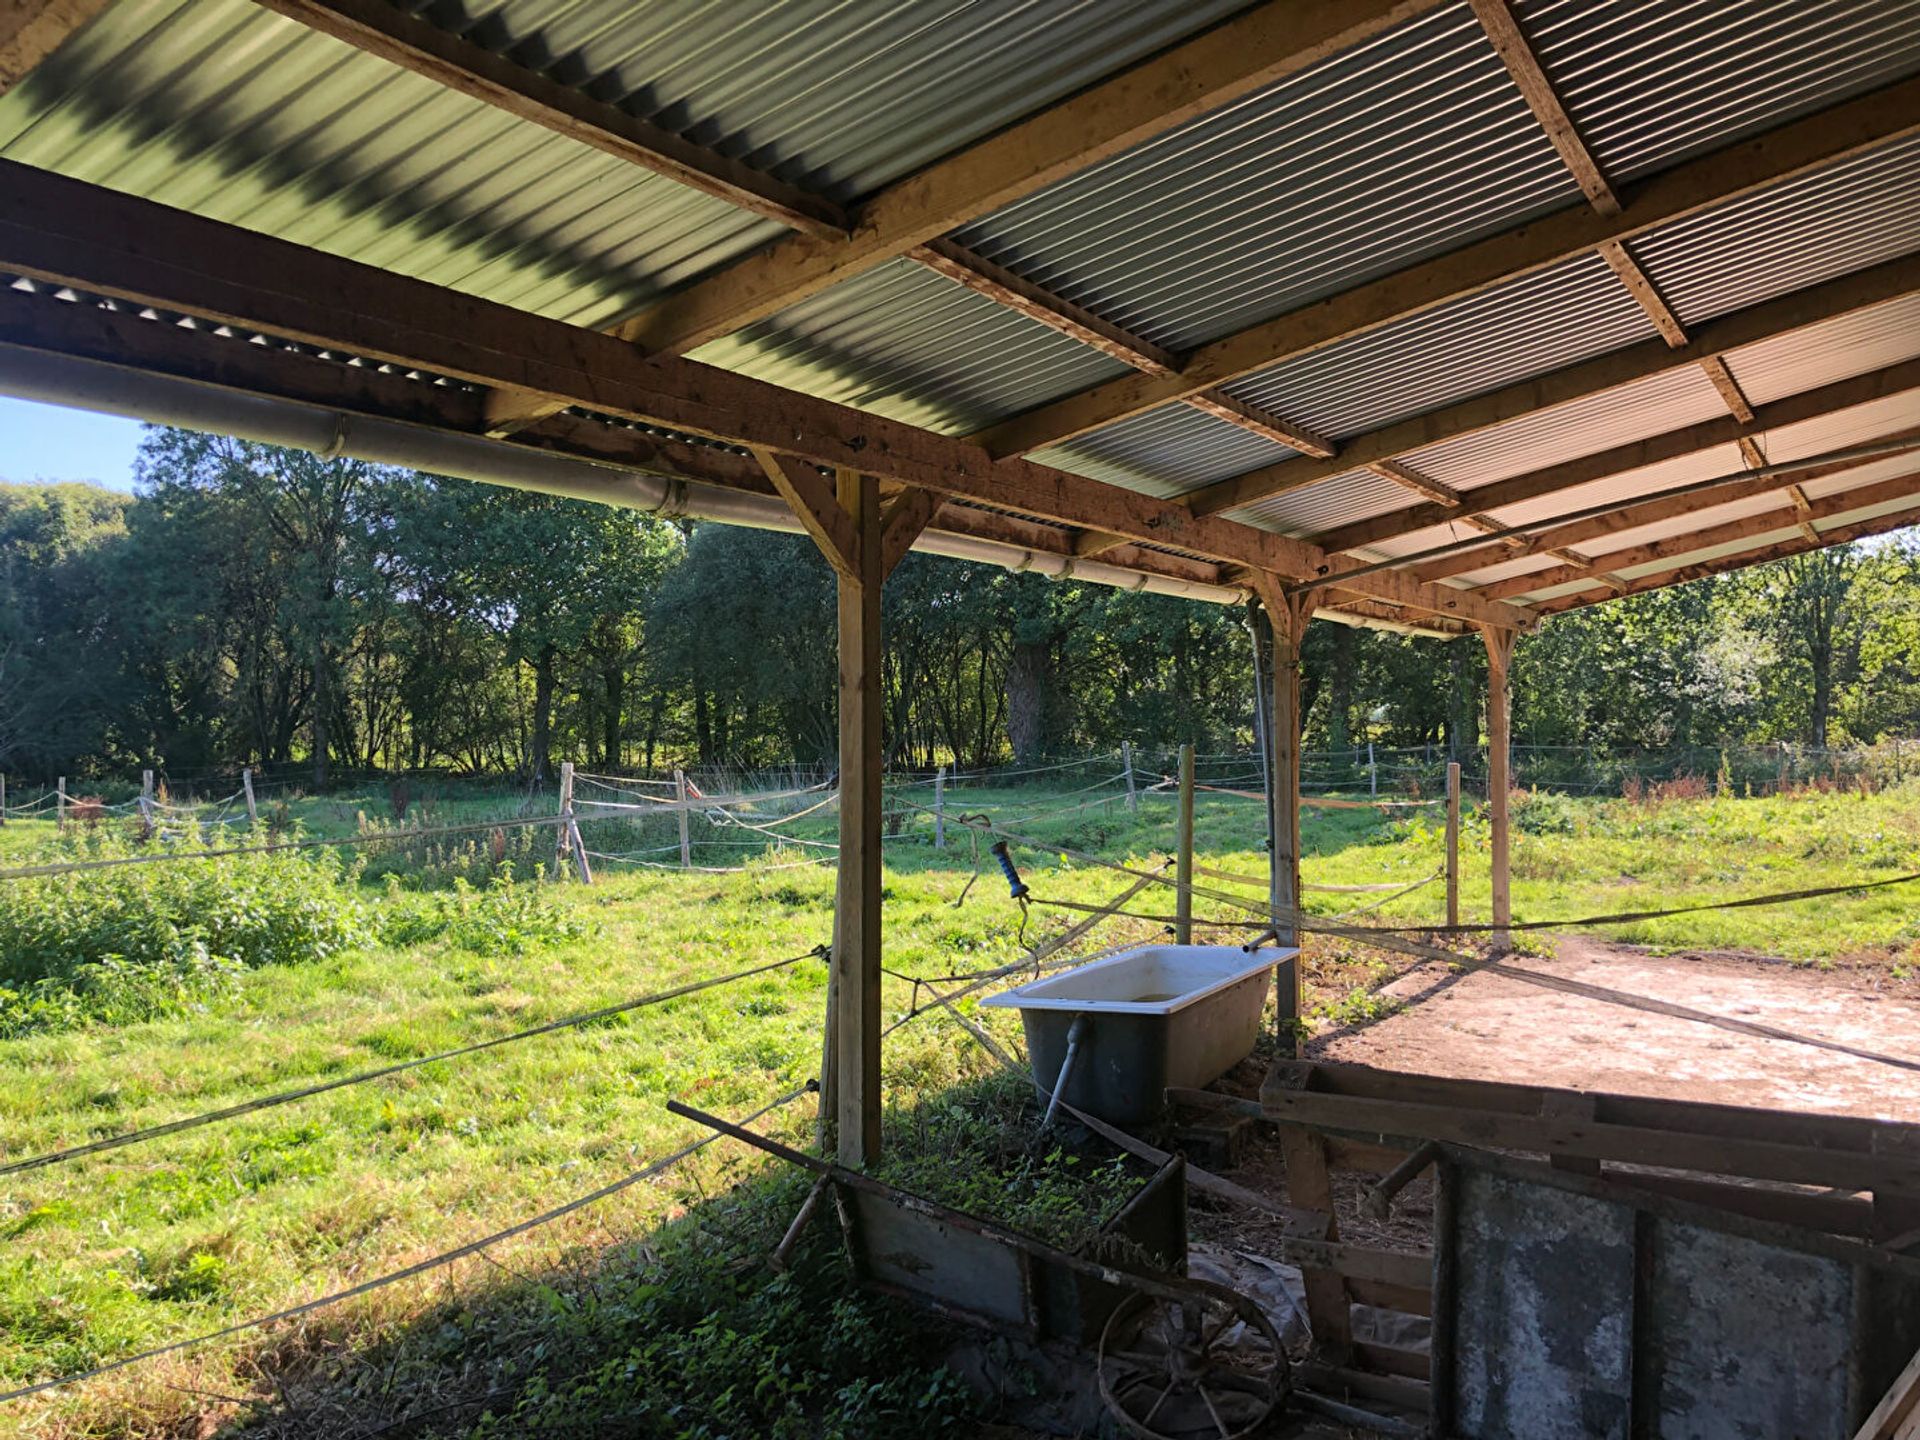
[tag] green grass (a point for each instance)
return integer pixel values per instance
(184, 1234)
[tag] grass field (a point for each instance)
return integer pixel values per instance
(184, 1234)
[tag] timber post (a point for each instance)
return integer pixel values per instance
(563, 831)
(940, 808)
(3, 799)
(680, 807)
(863, 539)
(1499, 772)
(1183, 862)
(1126, 761)
(1288, 615)
(146, 804)
(1453, 842)
(246, 789)
(60, 803)
(1373, 773)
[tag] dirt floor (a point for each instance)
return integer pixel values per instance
(1486, 1025)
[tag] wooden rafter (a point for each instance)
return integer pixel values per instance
(31, 30)
(1516, 53)
(1645, 294)
(1715, 369)
(1713, 179)
(1768, 320)
(1411, 479)
(386, 30)
(68, 232)
(1232, 60)
(1799, 515)
(1633, 515)
(1800, 545)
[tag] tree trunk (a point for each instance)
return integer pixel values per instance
(1463, 719)
(702, 724)
(322, 718)
(542, 739)
(615, 677)
(1340, 689)
(1029, 679)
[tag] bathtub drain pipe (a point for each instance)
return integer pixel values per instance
(1076, 1032)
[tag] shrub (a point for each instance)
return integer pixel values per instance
(506, 918)
(138, 941)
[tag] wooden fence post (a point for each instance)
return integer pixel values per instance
(940, 808)
(146, 803)
(680, 805)
(1183, 871)
(1373, 773)
(246, 789)
(3, 800)
(1453, 842)
(60, 803)
(563, 827)
(1133, 795)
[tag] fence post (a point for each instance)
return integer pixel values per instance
(1133, 795)
(1373, 773)
(1453, 842)
(60, 803)
(940, 808)
(146, 803)
(246, 788)
(562, 830)
(680, 804)
(1183, 865)
(3, 800)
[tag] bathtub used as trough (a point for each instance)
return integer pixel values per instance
(1154, 1016)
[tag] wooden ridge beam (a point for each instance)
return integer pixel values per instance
(1603, 464)
(1846, 295)
(1783, 550)
(1516, 52)
(31, 30)
(1633, 515)
(68, 232)
(1799, 515)
(393, 34)
(1213, 69)
(1795, 148)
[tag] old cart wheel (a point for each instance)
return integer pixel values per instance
(1205, 1367)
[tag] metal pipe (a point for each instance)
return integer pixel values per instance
(1076, 1032)
(165, 400)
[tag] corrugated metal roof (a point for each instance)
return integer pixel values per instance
(222, 108)
(1820, 354)
(1556, 317)
(1855, 426)
(1356, 495)
(1403, 148)
(1837, 219)
(1167, 451)
(914, 346)
(1652, 82)
(839, 97)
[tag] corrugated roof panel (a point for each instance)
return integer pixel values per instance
(906, 343)
(1411, 145)
(1820, 354)
(1860, 425)
(1887, 469)
(1340, 500)
(839, 97)
(1166, 452)
(1651, 82)
(1835, 220)
(1723, 461)
(1556, 317)
(1682, 396)
(222, 108)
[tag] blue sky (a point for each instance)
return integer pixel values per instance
(51, 442)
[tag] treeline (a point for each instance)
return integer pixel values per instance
(250, 605)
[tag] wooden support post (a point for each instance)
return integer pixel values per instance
(1453, 842)
(1183, 862)
(1310, 1187)
(3, 799)
(1373, 773)
(1288, 615)
(146, 804)
(680, 810)
(856, 959)
(60, 803)
(1499, 771)
(563, 830)
(246, 789)
(1126, 759)
(940, 808)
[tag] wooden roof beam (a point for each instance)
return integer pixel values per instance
(1793, 149)
(68, 232)
(31, 30)
(1800, 545)
(1510, 43)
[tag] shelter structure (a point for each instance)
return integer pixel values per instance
(1443, 315)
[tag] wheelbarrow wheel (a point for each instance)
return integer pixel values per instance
(1206, 1367)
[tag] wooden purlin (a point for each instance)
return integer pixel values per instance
(31, 30)
(72, 233)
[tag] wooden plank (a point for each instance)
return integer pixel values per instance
(31, 30)
(472, 70)
(1670, 445)
(1634, 515)
(1793, 149)
(1499, 776)
(1309, 1186)
(1407, 1299)
(901, 522)
(1263, 423)
(812, 500)
(1213, 69)
(1895, 1415)
(68, 232)
(1715, 369)
(1840, 535)
(1644, 293)
(1516, 53)
(1804, 511)
(1407, 476)
(1812, 306)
